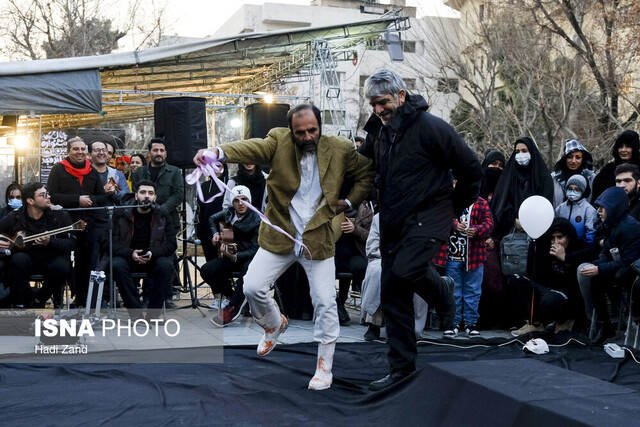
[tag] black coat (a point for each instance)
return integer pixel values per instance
(619, 230)
(414, 156)
(65, 190)
(245, 232)
(163, 236)
(61, 244)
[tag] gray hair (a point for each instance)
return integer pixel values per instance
(384, 82)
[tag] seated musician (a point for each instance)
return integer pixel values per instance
(217, 272)
(49, 255)
(144, 240)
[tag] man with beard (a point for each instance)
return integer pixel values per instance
(144, 240)
(628, 178)
(48, 255)
(307, 171)
(167, 178)
(415, 155)
(73, 183)
(170, 190)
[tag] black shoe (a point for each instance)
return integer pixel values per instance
(447, 309)
(604, 330)
(343, 316)
(389, 380)
(372, 334)
(170, 305)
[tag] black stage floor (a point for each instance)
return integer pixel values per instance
(571, 385)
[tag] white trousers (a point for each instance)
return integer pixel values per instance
(266, 267)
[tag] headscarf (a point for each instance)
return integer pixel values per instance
(632, 139)
(571, 146)
(490, 176)
(517, 183)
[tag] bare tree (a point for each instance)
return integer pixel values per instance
(38, 29)
(550, 70)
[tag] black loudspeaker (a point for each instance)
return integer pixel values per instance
(182, 122)
(261, 118)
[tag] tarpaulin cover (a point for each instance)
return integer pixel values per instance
(69, 92)
(477, 386)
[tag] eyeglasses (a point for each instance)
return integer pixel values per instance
(100, 150)
(45, 194)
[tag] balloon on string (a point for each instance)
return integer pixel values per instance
(536, 215)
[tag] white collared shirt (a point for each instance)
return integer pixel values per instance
(308, 197)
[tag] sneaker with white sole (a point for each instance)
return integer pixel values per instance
(451, 333)
(527, 329)
(471, 330)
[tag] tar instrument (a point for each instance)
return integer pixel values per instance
(227, 245)
(22, 241)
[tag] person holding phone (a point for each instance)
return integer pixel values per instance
(144, 240)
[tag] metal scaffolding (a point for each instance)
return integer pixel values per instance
(324, 86)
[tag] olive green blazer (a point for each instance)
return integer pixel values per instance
(337, 159)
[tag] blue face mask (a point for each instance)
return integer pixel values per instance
(574, 195)
(15, 204)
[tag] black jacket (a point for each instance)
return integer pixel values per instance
(606, 177)
(619, 230)
(61, 244)
(65, 190)
(245, 231)
(163, 235)
(414, 156)
(634, 207)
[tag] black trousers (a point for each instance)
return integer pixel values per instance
(407, 271)
(54, 268)
(549, 305)
(612, 284)
(349, 260)
(85, 258)
(160, 268)
(217, 274)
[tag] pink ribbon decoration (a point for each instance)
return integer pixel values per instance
(212, 166)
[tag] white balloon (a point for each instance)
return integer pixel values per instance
(536, 215)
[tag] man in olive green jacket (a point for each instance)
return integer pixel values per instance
(307, 170)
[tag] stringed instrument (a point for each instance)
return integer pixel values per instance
(22, 241)
(227, 244)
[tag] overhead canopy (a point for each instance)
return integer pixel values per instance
(69, 92)
(240, 64)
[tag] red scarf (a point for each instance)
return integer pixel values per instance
(77, 172)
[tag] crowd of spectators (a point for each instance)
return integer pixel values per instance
(575, 271)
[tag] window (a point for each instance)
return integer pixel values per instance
(409, 47)
(446, 85)
(411, 84)
(328, 120)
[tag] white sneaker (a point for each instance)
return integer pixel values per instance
(224, 303)
(215, 305)
(451, 333)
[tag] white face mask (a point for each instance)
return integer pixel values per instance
(574, 195)
(523, 159)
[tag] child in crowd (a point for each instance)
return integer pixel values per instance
(578, 210)
(464, 257)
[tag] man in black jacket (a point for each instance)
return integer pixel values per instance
(73, 183)
(144, 241)
(628, 178)
(217, 272)
(415, 154)
(47, 255)
(620, 248)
